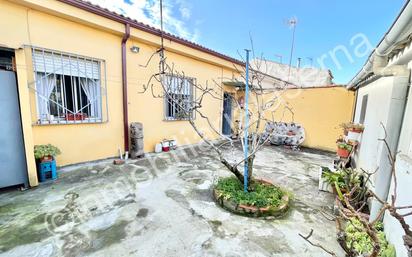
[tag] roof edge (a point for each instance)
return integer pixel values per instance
(146, 28)
(363, 71)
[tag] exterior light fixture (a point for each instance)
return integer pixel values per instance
(135, 49)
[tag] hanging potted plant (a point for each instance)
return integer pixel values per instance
(344, 149)
(45, 153)
(352, 130)
(356, 128)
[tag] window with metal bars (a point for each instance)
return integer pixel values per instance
(68, 88)
(179, 97)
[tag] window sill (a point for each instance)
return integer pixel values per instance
(69, 122)
(177, 119)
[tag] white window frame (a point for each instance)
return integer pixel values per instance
(52, 70)
(181, 89)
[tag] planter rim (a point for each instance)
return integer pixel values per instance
(253, 211)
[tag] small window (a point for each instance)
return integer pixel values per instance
(179, 96)
(68, 88)
(363, 109)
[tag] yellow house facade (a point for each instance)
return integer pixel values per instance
(105, 79)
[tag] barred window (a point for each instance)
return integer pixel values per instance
(179, 97)
(68, 88)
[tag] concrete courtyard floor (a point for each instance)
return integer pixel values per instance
(162, 205)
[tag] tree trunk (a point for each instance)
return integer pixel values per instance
(233, 169)
(250, 161)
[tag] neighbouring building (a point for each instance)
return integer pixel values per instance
(384, 100)
(302, 77)
(72, 73)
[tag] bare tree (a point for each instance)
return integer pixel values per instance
(185, 97)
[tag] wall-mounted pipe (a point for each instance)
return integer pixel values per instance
(386, 44)
(126, 36)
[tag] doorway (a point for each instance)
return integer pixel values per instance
(13, 168)
(227, 114)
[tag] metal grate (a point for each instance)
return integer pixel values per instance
(179, 97)
(69, 88)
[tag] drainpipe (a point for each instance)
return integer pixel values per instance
(126, 36)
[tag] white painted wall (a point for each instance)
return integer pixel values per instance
(405, 142)
(386, 99)
(393, 229)
(410, 150)
(386, 104)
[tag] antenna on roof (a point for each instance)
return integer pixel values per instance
(292, 22)
(299, 61)
(311, 61)
(162, 56)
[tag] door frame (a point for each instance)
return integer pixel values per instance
(14, 70)
(231, 98)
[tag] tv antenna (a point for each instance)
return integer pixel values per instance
(311, 61)
(292, 22)
(161, 50)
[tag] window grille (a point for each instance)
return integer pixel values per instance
(179, 97)
(69, 88)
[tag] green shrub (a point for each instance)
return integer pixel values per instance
(41, 151)
(344, 178)
(333, 178)
(357, 238)
(261, 196)
(343, 145)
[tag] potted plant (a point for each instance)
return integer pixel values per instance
(45, 153)
(334, 179)
(352, 127)
(344, 149)
(76, 116)
(356, 128)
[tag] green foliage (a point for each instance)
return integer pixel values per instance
(261, 196)
(342, 179)
(352, 126)
(333, 178)
(343, 145)
(359, 240)
(41, 151)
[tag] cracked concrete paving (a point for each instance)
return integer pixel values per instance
(162, 206)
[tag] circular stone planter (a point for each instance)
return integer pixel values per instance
(253, 211)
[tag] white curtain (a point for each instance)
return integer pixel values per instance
(92, 90)
(44, 87)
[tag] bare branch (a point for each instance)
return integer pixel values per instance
(307, 239)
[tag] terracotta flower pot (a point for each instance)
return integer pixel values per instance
(46, 158)
(356, 130)
(342, 152)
